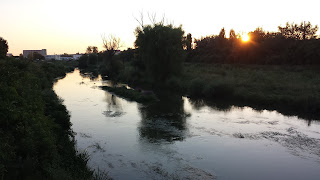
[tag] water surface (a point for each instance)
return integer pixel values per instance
(178, 138)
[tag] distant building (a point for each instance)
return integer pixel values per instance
(63, 57)
(52, 57)
(43, 52)
(76, 56)
(9, 54)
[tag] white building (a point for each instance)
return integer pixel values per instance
(76, 56)
(63, 57)
(52, 57)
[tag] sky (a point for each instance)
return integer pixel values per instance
(70, 26)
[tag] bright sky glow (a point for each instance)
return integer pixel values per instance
(69, 26)
(245, 37)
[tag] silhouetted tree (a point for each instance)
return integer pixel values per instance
(299, 32)
(160, 47)
(127, 55)
(113, 65)
(92, 59)
(21, 56)
(89, 50)
(3, 48)
(188, 42)
(95, 49)
(232, 35)
(222, 33)
(257, 35)
(111, 44)
(83, 61)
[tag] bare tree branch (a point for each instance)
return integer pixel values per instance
(141, 19)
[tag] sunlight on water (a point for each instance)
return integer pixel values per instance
(180, 138)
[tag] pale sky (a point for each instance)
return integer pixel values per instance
(70, 26)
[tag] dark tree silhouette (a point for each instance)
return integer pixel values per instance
(3, 48)
(89, 50)
(299, 32)
(111, 44)
(95, 50)
(222, 33)
(188, 42)
(112, 65)
(92, 49)
(232, 35)
(160, 47)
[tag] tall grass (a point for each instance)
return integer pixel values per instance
(296, 87)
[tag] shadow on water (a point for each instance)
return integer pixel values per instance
(226, 105)
(164, 120)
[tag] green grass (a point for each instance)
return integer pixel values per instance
(35, 130)
(295, 88)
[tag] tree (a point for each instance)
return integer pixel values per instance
(111, 44)
(232, 35)
(3, 48)
(308, 32)
(95, 49)
(21, 56)
(300, 32)
(257, 35)
(188, 42)
(83, 61)
(160, 47)
(92, 49)
(222, 34)
(89, 50)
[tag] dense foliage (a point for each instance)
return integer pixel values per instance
(160, 49)
(293, 44)
(3, 48)
(35, 137)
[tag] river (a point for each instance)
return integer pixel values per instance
(178, 138)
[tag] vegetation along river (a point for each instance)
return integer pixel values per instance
(178, 138)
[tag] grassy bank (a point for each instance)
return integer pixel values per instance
(35, 135)
(292, 90)
(284, 88)
(131, 94)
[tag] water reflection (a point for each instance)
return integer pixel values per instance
(197, 104)
(227, 105)
(114, 106)
(164, 120)
(162, 140)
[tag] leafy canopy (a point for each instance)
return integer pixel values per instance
(3, 48)
(160, 47)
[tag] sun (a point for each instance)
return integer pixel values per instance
(245, 37)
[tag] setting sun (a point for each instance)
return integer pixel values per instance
(245, 37)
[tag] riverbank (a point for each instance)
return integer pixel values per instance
(35, 130)
(291, 90)
(179, 138)
(288, 89)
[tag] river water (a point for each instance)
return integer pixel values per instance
(178, 138)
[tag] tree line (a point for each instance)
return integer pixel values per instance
(293, 44)
(160, 50)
